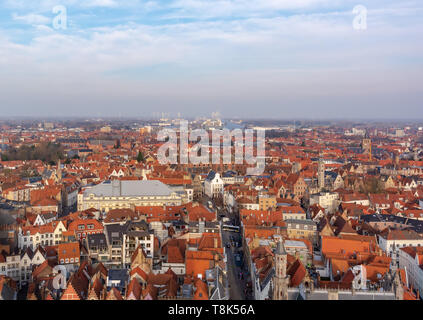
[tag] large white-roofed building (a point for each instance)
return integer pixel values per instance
(118, 194)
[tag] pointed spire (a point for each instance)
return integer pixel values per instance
(280, 248)
(59, 170)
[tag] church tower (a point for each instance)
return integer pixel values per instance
(280, 279)
(59, 170)
(321, 174)
(366, 146)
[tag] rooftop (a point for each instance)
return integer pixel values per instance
(127, 188)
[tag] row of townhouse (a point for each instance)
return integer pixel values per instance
(44, 235)
(116, 245)
(51, 234)
(19, 266)
(19, 193)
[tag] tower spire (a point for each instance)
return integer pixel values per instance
(321, 173)
(280, 279)
(59, 170)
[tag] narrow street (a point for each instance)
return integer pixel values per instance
(236, 289)
(236, 285)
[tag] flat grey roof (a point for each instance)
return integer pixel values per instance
(129, 188)
(293, 243)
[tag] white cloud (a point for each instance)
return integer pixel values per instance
(100, 3)
(256, 60)
(32, 18)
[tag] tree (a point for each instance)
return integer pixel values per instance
(372, 185)
(47, 152)
(140, 157)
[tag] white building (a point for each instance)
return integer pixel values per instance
(44, 235)
(43, 219)
(19, 266)
(411, 260)
(213, 185)
(391, 241)
(229, 200)
(118, 194)
(327, 200)
(231, 177)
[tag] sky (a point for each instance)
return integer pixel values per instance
(255, 59)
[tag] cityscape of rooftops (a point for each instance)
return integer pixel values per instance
(226, 150)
